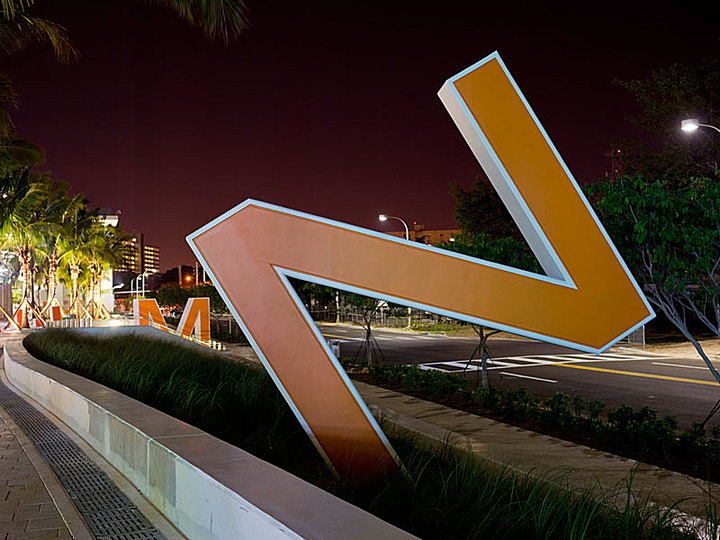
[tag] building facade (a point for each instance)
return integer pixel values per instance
(140, 257)
(431, 237)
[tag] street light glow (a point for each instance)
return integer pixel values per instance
(690, 125)
(382, 217)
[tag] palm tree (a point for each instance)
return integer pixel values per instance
(19, 30)
(75, 245)
(16, 154)
(218, 19)
(53, 244)
(20, 231)
(105, 250)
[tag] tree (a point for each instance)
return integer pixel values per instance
(367, 307)
(507, 251)
(21, 229)
(77, 236)
(669, 236)
(104, 250)
(489, 233)
(488, 230)
(665, 98)
(483, 335)
(16, 155)
(481, 211)
(218, 19)
(19, 30)
(60, 211)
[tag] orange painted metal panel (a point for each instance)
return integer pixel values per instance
(146, 310)
(196, 318)
(588, 300)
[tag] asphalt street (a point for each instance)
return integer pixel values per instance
(681, 386)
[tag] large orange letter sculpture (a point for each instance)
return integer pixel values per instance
(146, 311)
(195, 317)
(588, 299)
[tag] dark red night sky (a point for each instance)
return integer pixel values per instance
(325, 107)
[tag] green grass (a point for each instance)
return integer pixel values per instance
(234, 401)
(446, 494)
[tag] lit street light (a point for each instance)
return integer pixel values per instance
(385, 217)
(692, 124)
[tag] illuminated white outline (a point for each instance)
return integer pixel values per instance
(195, 330)
(538, 242)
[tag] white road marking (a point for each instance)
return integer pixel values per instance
(635, 351)
(527, 377)
(536, 360)
(677, 365)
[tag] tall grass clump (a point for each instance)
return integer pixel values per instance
(442, 493)
(235, 401)
(447, 493)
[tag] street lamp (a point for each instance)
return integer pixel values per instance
(135, 291)
(137, 283)
(692, 124)
(385, 217)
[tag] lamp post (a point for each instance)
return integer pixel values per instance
(136, 292)
(385, 217)
(692, 124)
(142, 276)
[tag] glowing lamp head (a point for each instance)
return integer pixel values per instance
(188, 278)
(690, 125)
(382, 217)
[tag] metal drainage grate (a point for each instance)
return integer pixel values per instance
(107, 511)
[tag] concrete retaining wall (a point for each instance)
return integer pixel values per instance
(206, 487)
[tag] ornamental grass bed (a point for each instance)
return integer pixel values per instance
(445, 494)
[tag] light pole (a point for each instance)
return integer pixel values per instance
(385, 217)
(145, 273)
(692, 124)
(137, 287)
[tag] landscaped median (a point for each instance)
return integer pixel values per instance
(444, 493)
(208, 488)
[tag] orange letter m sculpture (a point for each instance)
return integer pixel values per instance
(588, 299)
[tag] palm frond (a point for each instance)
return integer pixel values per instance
(10, 8)
(17, 154)
(223, 19)
(9, 101)
(21, 31)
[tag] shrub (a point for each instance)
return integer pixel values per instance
(557, 409)
(444, 385)
(444, 493)
(412, 378)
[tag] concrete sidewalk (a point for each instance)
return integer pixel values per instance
(503, 444)
(572, 464)
(26, 508)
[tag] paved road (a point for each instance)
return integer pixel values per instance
(681, 386)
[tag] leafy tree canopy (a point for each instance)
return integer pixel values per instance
(481, 211)
(488, 230)
(669, 235)
(665, 98)
(174, 295)
(507, 251)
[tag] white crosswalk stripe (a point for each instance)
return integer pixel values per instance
(535, 360)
